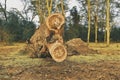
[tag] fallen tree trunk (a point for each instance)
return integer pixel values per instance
(48, 39)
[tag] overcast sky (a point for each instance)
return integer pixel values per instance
(18, 4)
(13, 4)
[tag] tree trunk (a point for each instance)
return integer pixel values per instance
(107, 21)
(89, 21)
(48, 38)
(62, 6)
(57, 51)
(96, 28)
(49, 6)
(39, 11)
(4, 9)
(96, 22)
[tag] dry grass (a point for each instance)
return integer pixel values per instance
(98, 46)
(113, 49)
(94, 58)
(11, 56)
(107, 53)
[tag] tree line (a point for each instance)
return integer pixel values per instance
(14, 26)
(94, 21)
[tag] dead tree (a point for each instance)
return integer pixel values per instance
(48, 38)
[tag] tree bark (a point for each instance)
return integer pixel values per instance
(4, 9)
(49, 6)
(107, 21)
(89, 21)
(96, 22)
(62, 6)
(39, 11)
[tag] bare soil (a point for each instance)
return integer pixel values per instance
(51, 70)
(103, 70)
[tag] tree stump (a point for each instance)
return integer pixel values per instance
(48, 38)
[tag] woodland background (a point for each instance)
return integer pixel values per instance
(92, 20)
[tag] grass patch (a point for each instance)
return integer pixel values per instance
(16, 60)
(24, 62)
(98, 46)
(105, 55)
(94, 58)
(11, 55)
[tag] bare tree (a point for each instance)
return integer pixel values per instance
(4, 9)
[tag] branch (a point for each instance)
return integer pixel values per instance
(4, 10)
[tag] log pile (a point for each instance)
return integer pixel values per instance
(48, 39)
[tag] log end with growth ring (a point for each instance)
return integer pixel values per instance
(55, 21)
(58, 52)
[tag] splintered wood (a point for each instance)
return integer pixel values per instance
(48, 39)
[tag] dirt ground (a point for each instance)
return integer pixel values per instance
(14, 66)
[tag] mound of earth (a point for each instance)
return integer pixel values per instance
(78, 47)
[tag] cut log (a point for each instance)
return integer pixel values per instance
(55, 21)
(57, 51)
(48, 38)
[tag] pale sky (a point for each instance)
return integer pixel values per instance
(18, 4)
(13, 4)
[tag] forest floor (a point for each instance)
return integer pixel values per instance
(17, 66)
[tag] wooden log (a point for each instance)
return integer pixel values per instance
(55, 22)
(48, 38)
(38, 41)
(57, 51)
